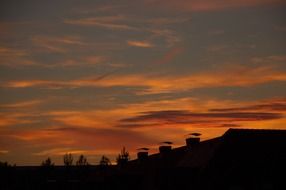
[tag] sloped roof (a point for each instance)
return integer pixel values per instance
(199, 156)
(234, 143)
(251, 144)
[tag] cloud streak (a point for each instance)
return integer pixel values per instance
(82, 140)
(141, 44)
(109, 22)
(184, 116)
(24, 104)
(229, 77)
(221, 117)
(278, 105)
(57, 44)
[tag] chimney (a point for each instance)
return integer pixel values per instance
(165, 149)
(141, 156)
(191, 142)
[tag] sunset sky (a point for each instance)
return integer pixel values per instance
(91, 76)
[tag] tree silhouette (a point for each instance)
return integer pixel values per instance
(82, 161)
(4, 164)
(123, 157)
(104, 161)
(47, 162)
(68, 159)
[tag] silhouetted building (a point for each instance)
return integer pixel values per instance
(239, 159)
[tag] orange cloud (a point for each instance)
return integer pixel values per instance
(31, 83)
(204, 117)
(57, 141)
(83, 119)
(14, 57)
(236, 76)
(58, 44)
(24, 104)
(91, 60)
(9, 119)
(80, 62)
(60, 152)
(142, 44)
(117, 22)
(109, 22)
(97, 132)
(4, 152)
(6, 52)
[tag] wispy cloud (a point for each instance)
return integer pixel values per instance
(156, 28)
(85, 61)
(12, 119)
(60, 152)
(222, 117)
(109, 22)
(14, 57)
(23, 104)
(123, 22)
(236, 76)
(4, 152)
(6, 52)
(142, 44)
(57, 44)
(18, 62)
(184, 117)
(76, 140)
(274, 105)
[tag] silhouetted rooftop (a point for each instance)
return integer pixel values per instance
(237, 140)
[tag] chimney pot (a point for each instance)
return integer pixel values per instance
(142, 156)
(192, 142)
(165, 149)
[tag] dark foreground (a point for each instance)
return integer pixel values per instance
(240, 159)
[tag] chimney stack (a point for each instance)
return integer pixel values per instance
(141, 156)
(165, 149)
(193, 141)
